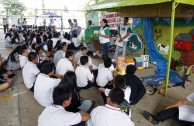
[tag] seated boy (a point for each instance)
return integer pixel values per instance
(56, 115)
(137, 88)
(85, 78)
(45, 84)
(30, 71)
(110, 114)
(23, 57)
(77, 56)
(120, 82)
(104, 57)
(180, 109)
(65, 64)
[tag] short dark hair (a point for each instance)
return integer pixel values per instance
(60, 95)
(131, 69)
(32, 56)
(116, 95)
(126, 18)
(107, 63)
(120, 81)
(105, 56)
(47, 68)
(84, 60)
(69, 80)
(38, 49)
(89, 22)
(22, 49)
(33, 46)
(62, 45)
(68, 54)
(89, 53)
(83, 48)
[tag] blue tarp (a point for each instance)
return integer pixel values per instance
(157, 59)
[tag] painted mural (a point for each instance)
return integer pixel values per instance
(184, 37)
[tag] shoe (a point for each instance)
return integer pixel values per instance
(113, 60)
(150, 118)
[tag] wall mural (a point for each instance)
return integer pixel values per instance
(183, 48)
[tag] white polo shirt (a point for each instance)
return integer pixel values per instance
(66, 40)
(111, 68)
(63, 66)
(109, 116)
(23, 60)
(58, 55)
(104, 76)
(77, 56)
(83, 76)
(58, 116)
(186, 112)
(43, 89)
(29, 73)
(55, 41)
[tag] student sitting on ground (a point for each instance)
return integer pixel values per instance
(77, 56)
(110, 114)
(120, 82)
(65, 64)
(12, 62)
(33, 47)
(30, 71)
(23, 57)
(180, 108)
(45, 84)
(60, 53)
(137, 88)
(77, 103)
(104, 57)
(85, 78)
(41, 55)
(56, 115)
(105, 77)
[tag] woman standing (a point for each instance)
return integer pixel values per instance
(104, 36)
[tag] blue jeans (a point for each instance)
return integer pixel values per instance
(118, 48)
(105, 47)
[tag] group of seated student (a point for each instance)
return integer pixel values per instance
(108, 115)
(56, 74)
(5, 76)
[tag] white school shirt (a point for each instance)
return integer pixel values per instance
(58, 116)
(43, 89)
(111, 68)
(76, 42)
(63, 66)
(77, 56)
(23, 60)
(104, 76)
(123, 31)
(109, 116)
(54, 41)
(29, 73)
(58, 55)
(186, 112)
(103, 40)
(83, 76)
(66, 40)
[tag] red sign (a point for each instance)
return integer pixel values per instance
(114, 19)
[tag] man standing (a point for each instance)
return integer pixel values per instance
(24, 23)
(5, 25)
(123, 32)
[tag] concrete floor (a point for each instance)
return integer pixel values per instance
(19, 108)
